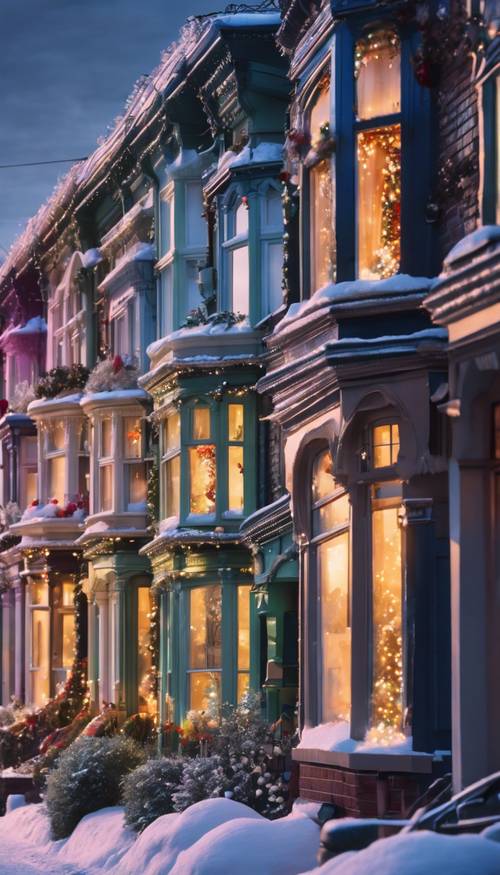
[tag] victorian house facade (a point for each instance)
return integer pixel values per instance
(250, 464)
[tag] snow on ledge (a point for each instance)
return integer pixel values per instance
(355, 290)
(337, 737)
(35, 325)
(479, 239)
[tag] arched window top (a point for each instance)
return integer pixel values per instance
(378, 74)
(241, 219)
(323, 483)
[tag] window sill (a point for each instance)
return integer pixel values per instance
(369, 762)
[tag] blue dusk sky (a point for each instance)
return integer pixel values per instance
(66, 69)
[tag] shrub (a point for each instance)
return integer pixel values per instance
(148, 791)
(202, 778)
(88, 777)
(62, 379)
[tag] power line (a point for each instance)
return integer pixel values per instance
(39, 163)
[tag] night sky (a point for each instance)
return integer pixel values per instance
(66, 69)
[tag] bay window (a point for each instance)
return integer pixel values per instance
(171, 464)
(378, 127)
(330, 528)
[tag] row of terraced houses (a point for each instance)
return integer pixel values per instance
(267, 451)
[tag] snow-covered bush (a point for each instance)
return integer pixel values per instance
(24, 394)
(88, 776)
(242, 732)
(62, 380)
(112, 374)
(148, 790)
(202, 778)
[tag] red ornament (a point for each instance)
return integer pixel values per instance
(284, 176)
(54, 501)
(117, 364)
(425, 73)
(70, 508)
(35, 503)
(4, 406)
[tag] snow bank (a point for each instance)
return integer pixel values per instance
(419, 853)
(249, 846)
(100, 840)
(29, 824)
(156, 850)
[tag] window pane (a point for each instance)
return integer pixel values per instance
(83, 478)
(57, 436)
(333, 559)
(173, 486)
(172, 432)
(378, 71)
(498, 145)
(132, 437)
(385, 445)
(201, 423)
(106, 433)
(40, 681)
(30, 486)
(243, 684)
(136, 487)
(195, 223)
(320, 113)
(205, 622)
(204, 690)
(57, 471)
(274, 291)
(106, 487)
(64, 640)
(379, 202)
(323, 481)
(240, 297)
(144, 660)
(235, 479)
(244, 628)
(496, 413)
(333, 513)
(322, 236)
(273, 209)
(202, 476)
(193, 298)
(241, 220)
(68, 592)
(39, 594)
(235, 422)
(387, 606)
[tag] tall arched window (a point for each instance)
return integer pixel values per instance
(330, 531)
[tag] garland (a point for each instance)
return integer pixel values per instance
(62, 380)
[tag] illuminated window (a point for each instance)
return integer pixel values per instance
(322, 236)
(330, 525)
(171, 464)
(238, 266)
(202, 464)
(106, 466)
(144, 657)
(134, 470)
(205, 646)
(132, 438)
(28, 471)
(39, 643)
(57, 477)
(387, 609)
(385, 445)
(377, 69)
(243, 640)
(235, 458)
(63, 626)
(106, 487)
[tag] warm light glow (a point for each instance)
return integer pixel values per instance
(136, 487)
(106, 438)
(385, 441)
(201, 423)
(56, 436)
(333, 566)
(322, 233)
(172, 432)
(144, 656)
(205, 645)
(173, 486)
(40, 662)
(57, 477)
(387, 607)
(106, 487)
(235, 479)
(235, 422)
(244, 628)
(379, 202)
(202, 475)
(378, 74)
(132, 438)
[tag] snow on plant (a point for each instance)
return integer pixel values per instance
(202, 778)
(111, 374)
(148, 791)
(24, 394)
(88, 777)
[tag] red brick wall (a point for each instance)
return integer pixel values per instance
(361, 794)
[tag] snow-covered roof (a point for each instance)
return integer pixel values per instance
(36, 325)
(472, 244)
